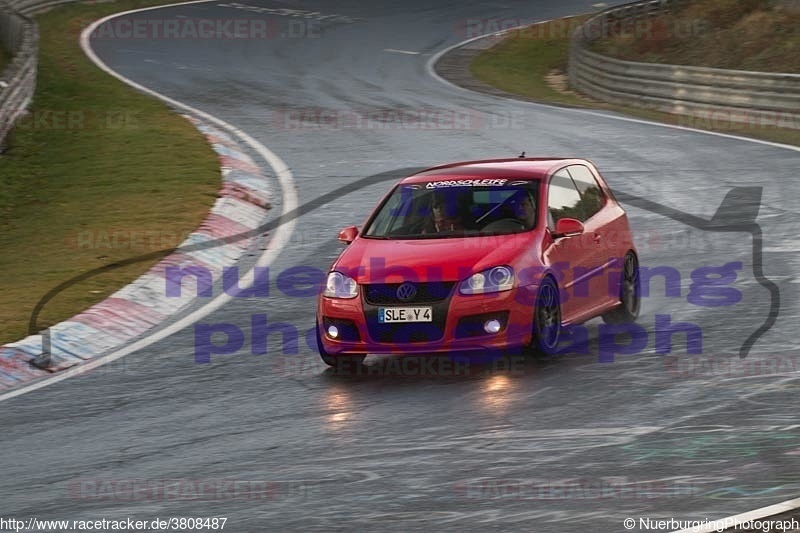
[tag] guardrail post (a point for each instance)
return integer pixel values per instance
(43, 360)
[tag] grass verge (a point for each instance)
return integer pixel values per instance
(532, 64)
(761, 35)
(95, 174)
(522, 63)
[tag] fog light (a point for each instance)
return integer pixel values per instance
(491, 326)
(333, 332)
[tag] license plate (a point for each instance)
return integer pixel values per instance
(389, 315)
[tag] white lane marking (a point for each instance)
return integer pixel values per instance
(634, 431)
(429, 66)
(755, 514)
(279, 239)
(396, 51)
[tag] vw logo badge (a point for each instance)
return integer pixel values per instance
(406, 292)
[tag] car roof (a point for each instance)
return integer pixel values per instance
(530, 168)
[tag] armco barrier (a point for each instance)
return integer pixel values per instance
(762, 98)
(20, 37)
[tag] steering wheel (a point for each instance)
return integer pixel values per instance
(504, 224)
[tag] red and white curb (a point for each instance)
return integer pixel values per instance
(242, 206)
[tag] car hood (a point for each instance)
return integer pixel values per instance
(393, 261)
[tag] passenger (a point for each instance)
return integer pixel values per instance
(525, 210)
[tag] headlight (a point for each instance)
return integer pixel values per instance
(497, 279)
(340, 286)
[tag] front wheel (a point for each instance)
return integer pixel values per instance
(547, 319)
(342, 361)
(629, 293)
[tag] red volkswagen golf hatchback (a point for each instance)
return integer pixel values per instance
(483, 256)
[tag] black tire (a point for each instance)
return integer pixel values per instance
(547, 319)
(630, 297)
(339, 361)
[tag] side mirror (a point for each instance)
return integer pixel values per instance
(348, 235)
(568, 227)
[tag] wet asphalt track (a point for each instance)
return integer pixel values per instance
(671, 437)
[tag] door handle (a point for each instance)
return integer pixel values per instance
(597, 238)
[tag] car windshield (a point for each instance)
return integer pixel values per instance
(445, 209)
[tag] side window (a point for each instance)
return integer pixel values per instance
(592, 199)
(563, 199)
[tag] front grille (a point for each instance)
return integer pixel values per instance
(427, 293)
(401, 333)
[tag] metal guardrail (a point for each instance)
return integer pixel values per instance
(763, 98)
(19, 35)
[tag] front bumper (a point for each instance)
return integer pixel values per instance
(516, 306)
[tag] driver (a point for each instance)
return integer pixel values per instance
(444, 216)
